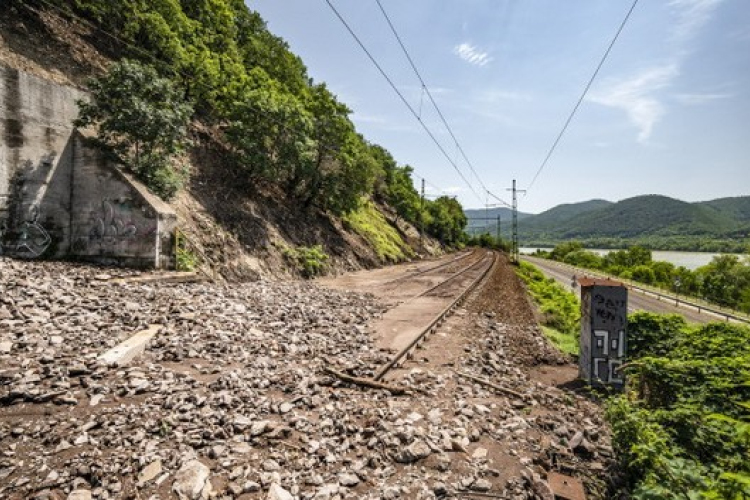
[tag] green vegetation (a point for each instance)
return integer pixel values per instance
(685, 243)
(486, 240)
(725, 281)
(142, 119)
(185, 258)
(682, 429)
(445, 220)
(560, 309)
(215, 63)
(368, 222)
(309, 261)
(655, 222)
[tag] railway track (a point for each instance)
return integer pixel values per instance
(421, 272)
(466, 280)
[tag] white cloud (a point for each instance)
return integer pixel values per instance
(636, 96)
(691, 16)
(472, 55)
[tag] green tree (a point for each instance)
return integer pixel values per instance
(583, 258)
(142, 119)
(643, 274)
(270, 130)
(447, 221)
(726, 281)
(563, 249)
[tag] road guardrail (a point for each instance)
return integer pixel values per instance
(657, 293)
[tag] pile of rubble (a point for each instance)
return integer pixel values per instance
(231, 399)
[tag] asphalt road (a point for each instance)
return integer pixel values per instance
(637, 300)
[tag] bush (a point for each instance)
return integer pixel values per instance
(653, 334)
(682, 429)
(309, 261)
(142, 119)
(185, 258)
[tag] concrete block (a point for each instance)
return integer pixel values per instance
(124, 352)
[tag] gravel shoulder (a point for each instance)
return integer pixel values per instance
(230, 399)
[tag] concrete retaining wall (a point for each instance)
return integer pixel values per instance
(59, 198)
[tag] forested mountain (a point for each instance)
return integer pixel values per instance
(656, 221)
(738, 208)
(561, 214)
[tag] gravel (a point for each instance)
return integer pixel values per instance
(230, 399)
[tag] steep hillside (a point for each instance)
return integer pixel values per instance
(240, 221)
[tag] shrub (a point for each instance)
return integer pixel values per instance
(682, 429)
(560, 309)
(142, 119)
(309, 261)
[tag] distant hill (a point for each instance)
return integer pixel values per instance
(639, 217)
(477, 218)
(738, 208)
(561, 214)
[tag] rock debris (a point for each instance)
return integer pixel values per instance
(230, 399)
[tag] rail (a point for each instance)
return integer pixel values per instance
(648, 290)
(461, 256)
(438, 319)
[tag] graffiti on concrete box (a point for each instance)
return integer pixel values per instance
(112, 223)
(603, 333)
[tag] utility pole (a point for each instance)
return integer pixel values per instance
(514, 241)
(486, 214)
(498, 229)
(421, 220)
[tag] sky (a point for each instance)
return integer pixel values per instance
(668, 113)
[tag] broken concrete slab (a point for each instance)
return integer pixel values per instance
(124, 352)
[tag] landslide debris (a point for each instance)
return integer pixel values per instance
(230, 399)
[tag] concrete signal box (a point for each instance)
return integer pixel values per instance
(604, 321)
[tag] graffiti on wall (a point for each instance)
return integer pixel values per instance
(608, 341)
(31, 239)
(112, 223)
(608, 351)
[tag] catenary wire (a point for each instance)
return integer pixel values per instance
(403, 99)
(583, 95)
(429, 94)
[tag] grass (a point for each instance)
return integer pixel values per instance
(560, 309)
(369, 223)
(565, 342)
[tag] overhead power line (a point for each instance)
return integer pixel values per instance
(403, 99)
(489, 193)
(429, 94)
(583, 95)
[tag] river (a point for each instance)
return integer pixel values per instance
(691, 260)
